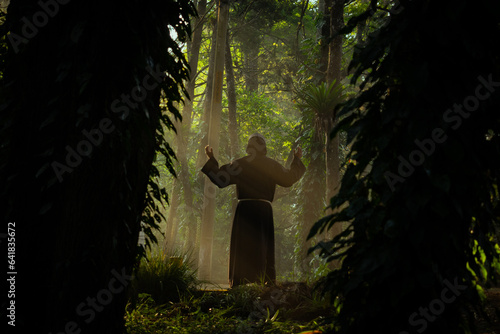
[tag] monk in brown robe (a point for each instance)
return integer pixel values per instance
(251, 256)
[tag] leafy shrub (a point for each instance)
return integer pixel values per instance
(164, 278)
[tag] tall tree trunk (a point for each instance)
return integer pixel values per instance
(194, 55)
(187, 192)
(250, 40)
(231, 101)
(207, 104)
(324, 35)
(172, 222)
(232, 109)
(185, 129)
(250, 62)
(314, 187)
(334, 74)
(205, 255)
(313, 191)
(170, 243)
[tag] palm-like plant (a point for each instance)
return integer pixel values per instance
(321, 100)
(318, 103)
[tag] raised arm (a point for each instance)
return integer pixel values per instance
(223, 176)
(287, 177)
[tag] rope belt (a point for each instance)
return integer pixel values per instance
(254, 199)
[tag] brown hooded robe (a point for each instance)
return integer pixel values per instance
(252, 237)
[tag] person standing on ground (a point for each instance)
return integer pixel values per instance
(251, 255)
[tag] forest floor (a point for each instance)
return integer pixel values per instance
(252, 309)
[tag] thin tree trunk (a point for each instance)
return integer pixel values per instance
(185, 129)
(172, 222)
(201, 158)
(207, 103)
(231, 99)
(314, 186)
(313, 198)
(324, 33)
(251, 67)
(205, 257)
(232, 108)
(333, 74)
(194, 55)
(332, 166)
(250, 45)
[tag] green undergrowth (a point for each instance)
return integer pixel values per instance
(283, 308)
(164, 278)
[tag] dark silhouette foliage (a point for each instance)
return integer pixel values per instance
(422, 197)
(80, 127)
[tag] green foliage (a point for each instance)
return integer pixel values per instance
(261, 14)
(246, 309)
(260, 113)
(165, 279)
(286, 57)
(172, 89)
(437, 223)
(321, 100)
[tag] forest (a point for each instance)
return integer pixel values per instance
(110, 225)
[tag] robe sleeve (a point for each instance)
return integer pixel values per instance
(287, 177)
(223, 176)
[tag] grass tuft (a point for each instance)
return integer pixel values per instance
(165, 279)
